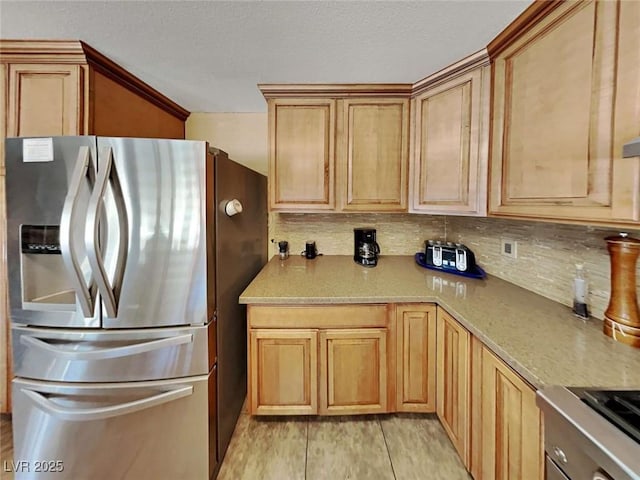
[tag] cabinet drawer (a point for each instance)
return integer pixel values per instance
(333, 316)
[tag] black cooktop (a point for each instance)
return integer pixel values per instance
(620, 407)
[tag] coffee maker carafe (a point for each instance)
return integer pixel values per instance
(365, 247)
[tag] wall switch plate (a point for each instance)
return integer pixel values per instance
(509, 248)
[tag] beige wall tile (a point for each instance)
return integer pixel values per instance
(397, 234)
(547, 254)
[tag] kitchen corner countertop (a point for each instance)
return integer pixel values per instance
(540, 339)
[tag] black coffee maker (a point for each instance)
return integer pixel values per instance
(365, 247)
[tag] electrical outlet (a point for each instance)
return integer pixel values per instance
(509, 248)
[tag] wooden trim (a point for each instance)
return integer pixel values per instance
(78, 52)
(387, 90)
(336, 90)
(318, 316)
(41, 51)
(118, 74)
(473, 61)
(521, 25)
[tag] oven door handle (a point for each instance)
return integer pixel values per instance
(101, 413)
(105, 353)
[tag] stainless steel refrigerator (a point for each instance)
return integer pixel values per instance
(126, 259)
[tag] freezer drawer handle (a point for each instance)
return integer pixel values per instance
(107, 173)
(74, 415)
(104, 353)
(67, 221)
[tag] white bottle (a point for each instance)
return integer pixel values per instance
(580, 292)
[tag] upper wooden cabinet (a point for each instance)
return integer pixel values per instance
(565, 100)
(338, 147)
(450, 139)
(52, 88)
(68, 88)
(373, 152)
(45, 100)
(301, 154)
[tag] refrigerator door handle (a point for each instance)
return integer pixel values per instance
(104, 353)
(67, 249)
(100, 413)
(107, 173)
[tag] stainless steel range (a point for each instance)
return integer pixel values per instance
(591, 434)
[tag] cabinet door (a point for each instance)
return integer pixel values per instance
(353, 371)
(511, 424)
(283, 372)
(565, 100)
(301, 154)
(454, 382)
(373, 152)
(450, 150)
(45, 100)
(416, 358)
(475, 413)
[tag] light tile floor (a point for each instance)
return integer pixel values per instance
(382, 447)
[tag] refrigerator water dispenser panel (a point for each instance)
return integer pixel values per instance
(40, 239)
(44, 281)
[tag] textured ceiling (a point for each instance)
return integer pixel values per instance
(208, 56)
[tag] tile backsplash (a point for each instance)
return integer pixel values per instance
(546, 252)
(546, 255)
(397, 233)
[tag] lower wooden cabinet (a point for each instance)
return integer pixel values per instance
(511, 424)
(454, 382)
(283, 372)
(343, 368)
(355, 359)
(416, 358)
(353, 371)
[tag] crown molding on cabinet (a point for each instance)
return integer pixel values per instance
(78, 52)
(386, 90)
(41, 51)
(335, 90)
(473, 61)
(522, 24)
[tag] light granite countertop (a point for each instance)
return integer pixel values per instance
(540, 339)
